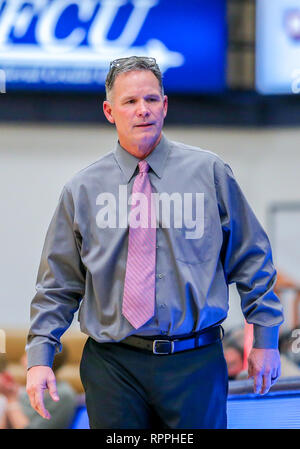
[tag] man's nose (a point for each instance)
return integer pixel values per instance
(143, 110)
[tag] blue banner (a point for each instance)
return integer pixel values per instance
(278, 46)
(67, 44)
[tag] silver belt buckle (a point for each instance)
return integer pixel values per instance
(163, 342)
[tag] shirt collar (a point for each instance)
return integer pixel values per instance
(156, 159)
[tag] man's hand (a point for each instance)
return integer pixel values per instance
(264, 367)
(39, 379)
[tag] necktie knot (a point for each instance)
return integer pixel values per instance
(143, 166)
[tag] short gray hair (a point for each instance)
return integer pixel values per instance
(130, 64)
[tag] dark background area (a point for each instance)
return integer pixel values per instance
(231, 108)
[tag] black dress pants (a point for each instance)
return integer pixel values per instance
(129, 388)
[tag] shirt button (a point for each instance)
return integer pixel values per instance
(162, 306)
(161, 275)
(157, 246)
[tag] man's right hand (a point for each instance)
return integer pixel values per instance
(39, 379)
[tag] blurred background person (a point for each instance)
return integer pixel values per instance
(234, 356)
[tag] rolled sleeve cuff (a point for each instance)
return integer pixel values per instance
(40, 354)
(265, 337)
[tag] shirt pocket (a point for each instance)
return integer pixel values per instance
(192, 245)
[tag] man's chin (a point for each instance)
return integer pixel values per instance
(146, 143)
(141, 142)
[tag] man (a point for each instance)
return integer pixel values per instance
(153, 289)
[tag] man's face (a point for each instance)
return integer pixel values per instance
(138, 109)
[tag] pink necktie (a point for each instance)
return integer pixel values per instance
(139, 288)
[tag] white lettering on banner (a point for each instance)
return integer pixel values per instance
(45, 29)
(106, 15)
(13, 18)
(75, 76)
(103, 21)
(68, 52)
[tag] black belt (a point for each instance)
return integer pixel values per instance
(172, 345)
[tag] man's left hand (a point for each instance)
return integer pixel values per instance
(264, 367)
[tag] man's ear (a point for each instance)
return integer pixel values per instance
(165, 105)
(107, 109)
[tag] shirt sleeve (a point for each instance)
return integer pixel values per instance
(60, 285)
(247, 260)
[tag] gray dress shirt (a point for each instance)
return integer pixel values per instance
(207, 238)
